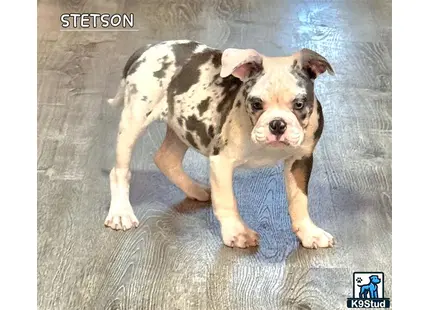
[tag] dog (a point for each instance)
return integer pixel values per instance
(370, 290)
(239, 108)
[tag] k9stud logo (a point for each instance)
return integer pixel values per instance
(368, 291)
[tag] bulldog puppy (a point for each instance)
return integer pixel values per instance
(238, 108)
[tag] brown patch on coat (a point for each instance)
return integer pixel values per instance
(301, 170)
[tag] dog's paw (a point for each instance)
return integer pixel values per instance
(198, 193)
(313, 237)
(236, 234)
(121, 219)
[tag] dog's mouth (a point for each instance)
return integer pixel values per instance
(278, 143)
(260, 136)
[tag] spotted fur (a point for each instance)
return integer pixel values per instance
(205, 96)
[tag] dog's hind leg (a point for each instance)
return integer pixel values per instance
(362, 293)
(169, 160)
(136, 116)
(145, 85)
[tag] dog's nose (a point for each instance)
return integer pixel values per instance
(277, 126)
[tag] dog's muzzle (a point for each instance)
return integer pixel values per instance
(278, 128)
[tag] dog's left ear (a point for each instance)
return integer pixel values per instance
(313, 63)
(241, 63)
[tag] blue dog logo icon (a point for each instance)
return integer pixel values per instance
(368, 294)
(370, 290)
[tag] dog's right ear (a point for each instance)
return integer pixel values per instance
(241, 63)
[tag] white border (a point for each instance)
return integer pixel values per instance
(18, 156)
(411, 173)
(411, 123)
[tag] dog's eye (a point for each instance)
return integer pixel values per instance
(256, 104)
(298, 105)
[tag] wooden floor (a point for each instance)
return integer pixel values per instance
(175, 259)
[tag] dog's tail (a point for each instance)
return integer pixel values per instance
(119, 97)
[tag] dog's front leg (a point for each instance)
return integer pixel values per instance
(235, 232)
(297, 175)
(374, 292)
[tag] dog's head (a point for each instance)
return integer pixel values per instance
(278, 91)
(374, 279)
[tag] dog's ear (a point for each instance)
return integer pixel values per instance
(312, 63)
(241, 63)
